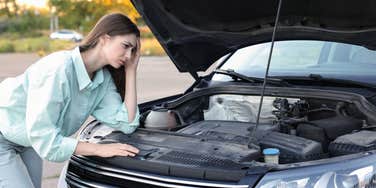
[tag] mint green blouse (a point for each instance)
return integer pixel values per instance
(51, 100)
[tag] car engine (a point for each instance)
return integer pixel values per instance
(301, 128)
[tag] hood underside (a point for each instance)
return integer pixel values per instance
(197, 33)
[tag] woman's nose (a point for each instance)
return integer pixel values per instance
(128, 54)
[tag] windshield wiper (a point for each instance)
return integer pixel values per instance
(321, 79)
(236, 76)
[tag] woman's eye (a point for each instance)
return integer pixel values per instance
(126, 46)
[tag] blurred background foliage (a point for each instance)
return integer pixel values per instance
(26, 28)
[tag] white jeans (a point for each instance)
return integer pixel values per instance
(19, 166)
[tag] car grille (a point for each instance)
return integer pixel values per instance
(82, 172)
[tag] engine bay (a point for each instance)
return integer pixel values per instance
(219, 132)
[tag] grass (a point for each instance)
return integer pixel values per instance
(6, 46)
(11, 42)
(37, 41)
(44, 45)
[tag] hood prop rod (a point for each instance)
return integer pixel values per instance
(267, 71)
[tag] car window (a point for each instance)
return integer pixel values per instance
(302, 57)
(65, 32)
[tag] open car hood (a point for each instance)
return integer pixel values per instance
(197, 33)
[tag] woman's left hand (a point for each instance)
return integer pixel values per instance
(133, 62)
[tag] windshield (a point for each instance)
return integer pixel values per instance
(302, 58)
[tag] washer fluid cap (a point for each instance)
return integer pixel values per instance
(270, 151)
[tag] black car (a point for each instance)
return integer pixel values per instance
(310, 64)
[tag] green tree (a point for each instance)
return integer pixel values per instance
(8, 8)
(17, 19)
(82, 14)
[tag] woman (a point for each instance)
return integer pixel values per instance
(41, 108)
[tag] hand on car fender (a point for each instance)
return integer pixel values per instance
(116, 149)
(105, 150)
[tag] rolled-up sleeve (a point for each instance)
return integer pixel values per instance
(45, 105)
(113, 112)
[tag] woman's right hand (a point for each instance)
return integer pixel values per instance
(105, 150)
(132, 63)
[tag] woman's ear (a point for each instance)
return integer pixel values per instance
(104, 39)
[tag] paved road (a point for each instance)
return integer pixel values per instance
(157, 77)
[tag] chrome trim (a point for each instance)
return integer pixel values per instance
(102, 170)
(80, 183)
(149, 182)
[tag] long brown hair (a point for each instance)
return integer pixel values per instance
(112, 25)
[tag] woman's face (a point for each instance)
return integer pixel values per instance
(119, 49)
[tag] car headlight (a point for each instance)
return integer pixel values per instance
(348, 173)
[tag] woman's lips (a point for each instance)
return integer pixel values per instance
(122, 62)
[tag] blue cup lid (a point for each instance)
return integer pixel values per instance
(270, 151)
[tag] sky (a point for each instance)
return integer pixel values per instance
(33, 3)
